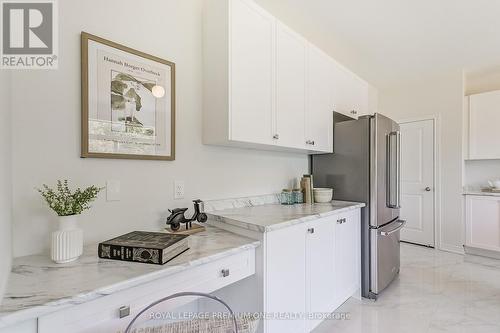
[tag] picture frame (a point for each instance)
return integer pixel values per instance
(128, 102)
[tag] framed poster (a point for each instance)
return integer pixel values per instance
(128, 102)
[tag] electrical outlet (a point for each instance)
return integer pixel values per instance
(178, 189)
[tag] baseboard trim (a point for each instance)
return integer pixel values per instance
(481, 252)
(452, 248)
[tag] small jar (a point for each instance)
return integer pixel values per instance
(287, 197)
(298, 196)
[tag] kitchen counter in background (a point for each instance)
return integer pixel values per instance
(264, 213)
(477, 191)
(37, 286)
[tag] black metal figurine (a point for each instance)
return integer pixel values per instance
(177, 216)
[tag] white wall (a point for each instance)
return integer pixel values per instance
(441, 96)
(46, 129)
(5, 179)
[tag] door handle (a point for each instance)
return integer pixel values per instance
(390, 232)
(427, 189)
(393, 172)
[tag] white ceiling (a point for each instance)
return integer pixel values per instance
(389, 41)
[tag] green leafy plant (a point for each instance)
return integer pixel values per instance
(65, 202)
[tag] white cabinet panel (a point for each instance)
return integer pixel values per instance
(350, 94)
(319, 113)
(291, 50)
(483, 222)
(484, 117)
(29, 326)
(321, 274)
(347, 255)
(252, 80)
(286, 277)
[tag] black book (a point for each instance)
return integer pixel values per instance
(146, 247)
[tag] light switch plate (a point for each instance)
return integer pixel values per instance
(178, 189)
(113, 190)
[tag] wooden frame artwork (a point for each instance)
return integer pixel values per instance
(128, 102)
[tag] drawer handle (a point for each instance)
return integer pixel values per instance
(340, 221)
(276, 136)
(124, 311)
(225, 272)
(310, 230)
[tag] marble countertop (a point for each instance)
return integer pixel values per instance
(479, 192)
(269, 217)
(37, 286)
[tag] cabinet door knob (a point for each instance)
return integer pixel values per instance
(225, 272)
(276, 136)
(310, 230)
(354, 112)
(427, 189)
(124, 311)
(312, 142)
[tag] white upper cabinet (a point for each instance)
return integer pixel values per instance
(265, 86)
(350, 94)
(251, 73)
(291, 52)
(319, 112)
(484, 117)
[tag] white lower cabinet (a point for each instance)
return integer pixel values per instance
(483, 222)
(310, 270)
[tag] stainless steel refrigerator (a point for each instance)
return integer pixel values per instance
(366, 167)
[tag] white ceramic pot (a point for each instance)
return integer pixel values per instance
(67, 242)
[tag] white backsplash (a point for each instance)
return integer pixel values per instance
(477, 173)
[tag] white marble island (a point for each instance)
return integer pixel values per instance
(39, 289)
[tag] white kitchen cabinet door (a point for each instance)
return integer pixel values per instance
(484, 117)
(319, 112)
(347, 255)
(252, 54)
(360, 97)
(350, 94)
(341, 90)
(320, 273)
(291, 51)
(483, 222)
(285, 272)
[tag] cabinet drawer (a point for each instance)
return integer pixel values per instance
(101, 315)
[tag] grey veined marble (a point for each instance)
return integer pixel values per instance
(249, 214)
(38, 286)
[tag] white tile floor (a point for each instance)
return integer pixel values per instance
(435, 292)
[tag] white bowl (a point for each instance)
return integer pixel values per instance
(322, 195)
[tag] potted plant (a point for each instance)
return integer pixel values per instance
(67, 242)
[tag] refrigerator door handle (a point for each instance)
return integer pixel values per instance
(398, 169)
(393, 178)
(399, 227)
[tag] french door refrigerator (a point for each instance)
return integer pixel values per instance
(366, 167)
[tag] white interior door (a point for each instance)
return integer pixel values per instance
(417, 181)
